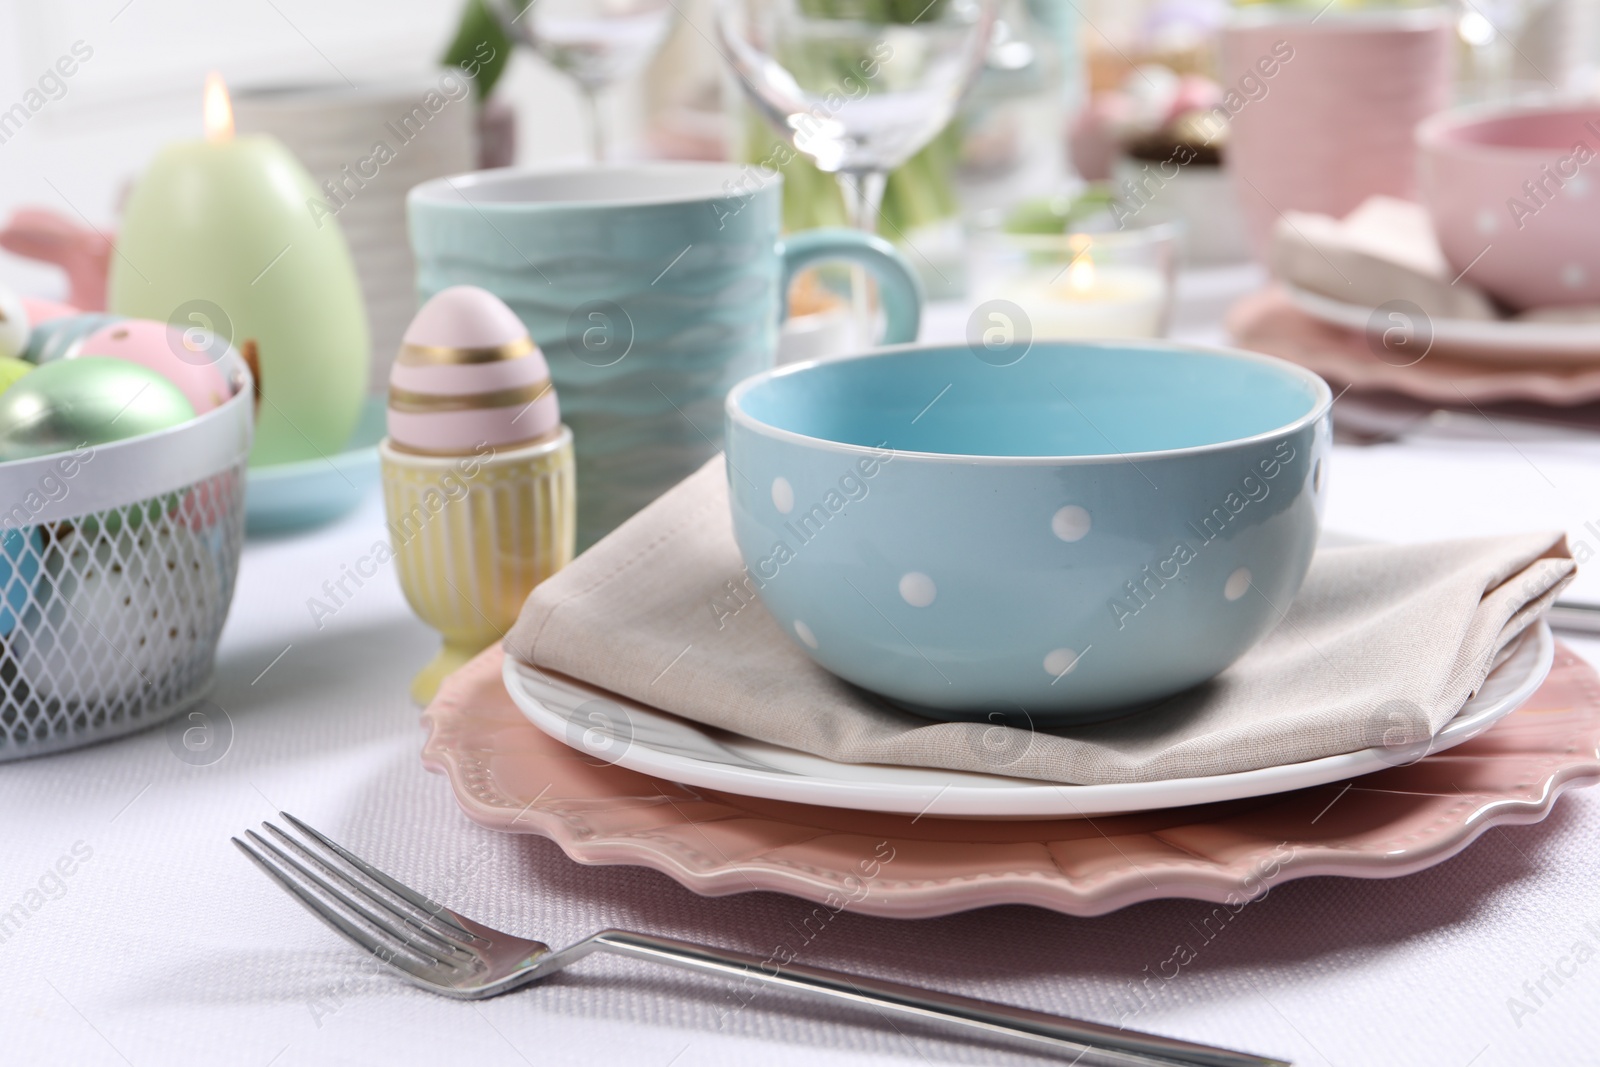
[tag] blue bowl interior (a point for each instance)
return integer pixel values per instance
(1060, 399)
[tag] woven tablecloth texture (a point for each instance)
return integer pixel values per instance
(166, 948)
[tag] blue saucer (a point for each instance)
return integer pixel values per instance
(287, 497)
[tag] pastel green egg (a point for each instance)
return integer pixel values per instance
(85, 402)
(235, 236)
(11, 370)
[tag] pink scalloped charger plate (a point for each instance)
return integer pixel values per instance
(508, 775)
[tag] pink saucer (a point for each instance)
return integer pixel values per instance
(508, 775)
(1268, 321)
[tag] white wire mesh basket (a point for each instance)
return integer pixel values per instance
(117, 565)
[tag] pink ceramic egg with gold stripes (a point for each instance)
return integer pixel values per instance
(478, 476)
(468, 376)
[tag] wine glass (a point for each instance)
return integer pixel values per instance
(596, 43)
(856, 86)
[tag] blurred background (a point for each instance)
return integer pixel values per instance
(141, 88)
(1069, 91)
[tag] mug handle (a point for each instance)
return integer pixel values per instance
(898, 286)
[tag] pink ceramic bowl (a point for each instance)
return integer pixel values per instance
(1514, 192)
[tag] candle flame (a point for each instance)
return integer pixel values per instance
(218, 109)
(1081, 272)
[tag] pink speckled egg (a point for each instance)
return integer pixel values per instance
(166, 350)
(468, 375)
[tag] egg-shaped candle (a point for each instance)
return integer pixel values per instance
(477, 473)
(186, 358)
(223, 234)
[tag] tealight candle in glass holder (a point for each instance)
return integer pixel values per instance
(1080, 283)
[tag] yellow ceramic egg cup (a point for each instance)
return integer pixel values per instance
(473, 535)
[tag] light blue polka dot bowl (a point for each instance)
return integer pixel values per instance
(1090, 528)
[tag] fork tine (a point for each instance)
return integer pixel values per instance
(446, 936)
(436, 910)
(429, 952)
(342, 926)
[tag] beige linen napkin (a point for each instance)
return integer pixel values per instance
(1382, 646)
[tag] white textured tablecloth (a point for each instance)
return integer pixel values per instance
(166, 948)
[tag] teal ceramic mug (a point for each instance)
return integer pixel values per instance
(651, 289)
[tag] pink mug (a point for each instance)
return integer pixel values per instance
(1322, 108)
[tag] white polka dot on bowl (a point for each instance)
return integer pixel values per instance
(1238, 584)
(917, 589)
(1070, 523)
(782, 495)
(1060, 662)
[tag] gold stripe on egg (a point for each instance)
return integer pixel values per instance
(524, 442)
(444, 356)
(412, 403)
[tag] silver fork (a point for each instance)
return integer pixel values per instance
(445, 952)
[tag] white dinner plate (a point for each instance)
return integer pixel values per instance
(1492, 339)
(659, 744)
